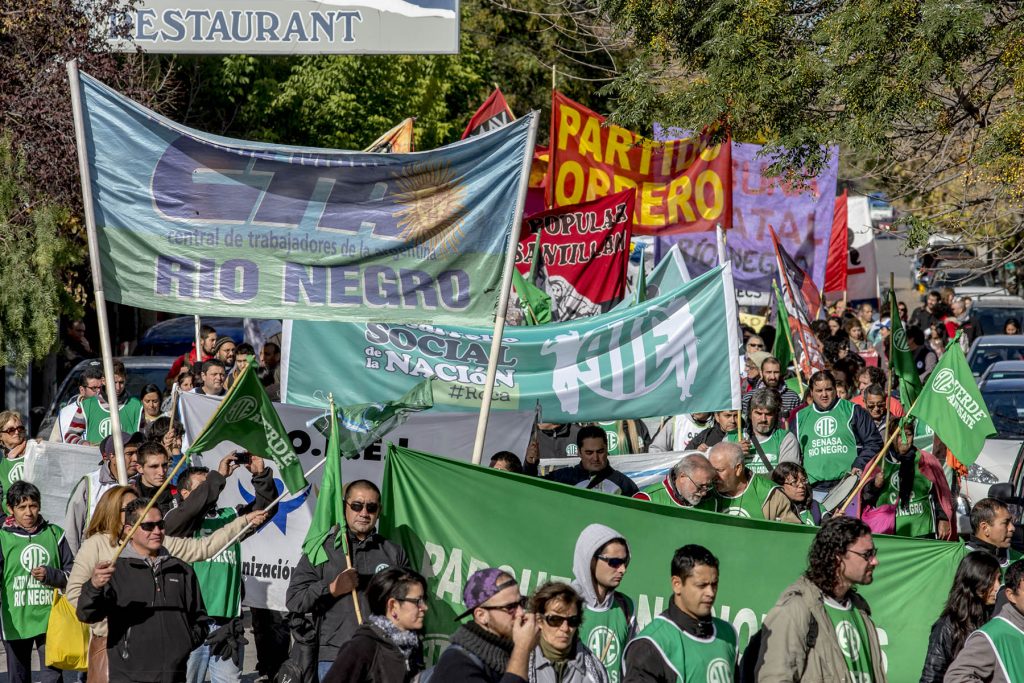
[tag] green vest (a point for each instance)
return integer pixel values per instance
(695, 660)
(852, 634)
(918, 517)
(605, 633)
(771, 447)
(827, 441)
(11, 470)
(25, 606)
(806, 517)
(220, 578)
(748, 504)
(611, 431)
(97, 418)
(660, 493)
(1008, 643)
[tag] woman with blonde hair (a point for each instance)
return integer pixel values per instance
(102, 537)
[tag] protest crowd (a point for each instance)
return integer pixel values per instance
(831, 436)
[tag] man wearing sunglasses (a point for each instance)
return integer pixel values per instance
(599, 565)
(820, 630)
(327, 590)
(151, 602)
(495, 646)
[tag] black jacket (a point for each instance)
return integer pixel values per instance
(940, 651)
(185, 519)
(475, 656)
(370, 657)
(166, 499)
(709, 437)
(309, 588)
(576, 474)
(643, 661)
(155, 617)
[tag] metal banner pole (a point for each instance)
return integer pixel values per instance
(97, 274)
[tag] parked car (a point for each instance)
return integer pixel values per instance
(141, 371)
(1002, 369)
(991, 348)
(176, 336)
(965, 282)
(1004, 399)
(993, 310)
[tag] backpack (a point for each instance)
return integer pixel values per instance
(749, 660)
(426, 674)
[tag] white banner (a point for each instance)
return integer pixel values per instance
(862, 270)
(643, 468)
(269, 556)
(56, 468)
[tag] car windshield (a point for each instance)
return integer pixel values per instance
(1007, 410)
(994, 319)
(963, 278)
(984, 356)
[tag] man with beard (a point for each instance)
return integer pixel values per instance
(687, 484)
(777, 444)
(771, 377)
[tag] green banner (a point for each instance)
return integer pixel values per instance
(529, 527)
(669, 355)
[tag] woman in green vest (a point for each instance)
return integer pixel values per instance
(35, 559)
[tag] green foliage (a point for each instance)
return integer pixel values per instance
(32, 253)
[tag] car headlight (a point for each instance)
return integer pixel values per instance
(980, 475)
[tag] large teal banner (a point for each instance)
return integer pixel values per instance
(676, 353)
(454, 518)
(197, 223)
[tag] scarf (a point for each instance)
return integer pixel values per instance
(405, 641)
(489, 647)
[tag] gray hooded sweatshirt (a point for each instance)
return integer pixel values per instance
(607, 625)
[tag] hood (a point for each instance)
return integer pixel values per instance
(591, 539)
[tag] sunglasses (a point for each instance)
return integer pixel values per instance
(867, 555)
(13, 430)
(614, 562)
(556, 620)
(151, 526)
(358, 507)
(510, 607)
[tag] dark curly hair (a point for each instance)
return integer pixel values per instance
(827, 550)
(965, 607)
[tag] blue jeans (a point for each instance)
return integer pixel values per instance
(221, 670)
(322, 668)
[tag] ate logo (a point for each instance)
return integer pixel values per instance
(825, 426)
(736, 512)
(244, 408)
(16, 474)
(603, 642)
(105, 427)
(719, 671)
(945, 381)
(899, 339)
(849, 640)
(33, 556)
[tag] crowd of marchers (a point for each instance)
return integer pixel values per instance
(169, 606)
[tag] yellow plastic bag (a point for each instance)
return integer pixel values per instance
(67, 639)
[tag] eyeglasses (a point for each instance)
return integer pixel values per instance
(614, 562)
(867, 555)
(419, 602)
(556, 620)
(701, 488)
(359, 505)
(756, 346)
(795, 482)
(150, 526)
(510, 608)
(13, 430)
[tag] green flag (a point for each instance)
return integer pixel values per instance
(901, 362)
(783, 337)
(247, 418)
(535, 302)
(364, 423)
(951, 404)
(330, 506)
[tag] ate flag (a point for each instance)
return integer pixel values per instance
(952, 406)
(585, 253)
(838, 247)
(493, 113)
(681, 185)
(901, 360)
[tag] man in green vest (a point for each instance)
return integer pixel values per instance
(35, 560)
(685, 644)
(599, 565)
(687, 484)
(995, 652)
(91, 423)
(836, 437)
(778, 445)
(743, 494)
(820, 629)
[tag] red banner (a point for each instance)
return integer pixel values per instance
(681, 185)
(493, 113)
(585, 252)
(838, 248)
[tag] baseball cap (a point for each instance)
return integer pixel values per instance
(482, 586)
(107, 445)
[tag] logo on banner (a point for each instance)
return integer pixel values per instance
(661, 347)
(284, 508)
(899, 339)
(33, 556)
(826, 426)
(719, 671)
(243, 409)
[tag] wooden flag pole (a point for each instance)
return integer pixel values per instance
(888, 377)
(506, 287)
(149, 506)
(106, 352)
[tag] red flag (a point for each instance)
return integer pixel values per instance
(585, 253)
(493, 113)
(838, 248)
(398, 140)
(795, 285)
